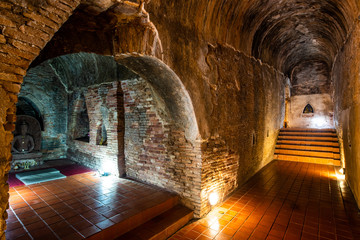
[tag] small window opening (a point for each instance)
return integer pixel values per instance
(308, 109)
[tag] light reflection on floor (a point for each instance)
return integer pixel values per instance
(286, 200)
(78, 207)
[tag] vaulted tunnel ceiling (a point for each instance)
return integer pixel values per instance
(289, 33)
(295, 36)
(300, 38)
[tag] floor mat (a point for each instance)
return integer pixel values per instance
(67, 170)
(39, 176)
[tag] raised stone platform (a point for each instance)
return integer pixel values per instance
(26, 160)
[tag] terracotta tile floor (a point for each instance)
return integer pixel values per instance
(285, 200)
(76, 207)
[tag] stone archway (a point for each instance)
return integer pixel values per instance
(19, 49)
(157, 129)
(25, 32)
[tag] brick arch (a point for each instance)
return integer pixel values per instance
(26, 29)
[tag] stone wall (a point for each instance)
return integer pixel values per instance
(346, 78)
(310, 77)
(323, 116)
(104, 151)
(156, 151)
(248, 109)
(42, 87)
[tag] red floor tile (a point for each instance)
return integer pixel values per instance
(76, 207)
(285, 200)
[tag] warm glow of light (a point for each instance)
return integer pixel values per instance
(340, 176)
(342, 184)
(319, 122)
(213, 198)
(108, 167)
(215, 226)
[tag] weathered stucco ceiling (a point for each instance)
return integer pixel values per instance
(287, 35)
(284, 34)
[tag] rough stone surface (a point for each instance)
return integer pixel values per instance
(156, 151)
(210, 45)
(104, 108)
(323, 116)
(347, 108)
(247, 106)
(16, 49)
(43, 89)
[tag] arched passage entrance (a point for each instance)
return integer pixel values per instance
(25, 48)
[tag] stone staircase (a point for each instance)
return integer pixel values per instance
(162, 226)
(154, 221)
(308, 145)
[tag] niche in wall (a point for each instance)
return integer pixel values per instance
(81, 128)
(308, 109)
(26, 107)
(101, 135)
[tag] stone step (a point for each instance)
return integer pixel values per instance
(308, 153)
(313, 130)
(162, 226)
(308, 138)
(326, 161)
(314, 134)
(308, 143)
(309, 148)
(127, 221)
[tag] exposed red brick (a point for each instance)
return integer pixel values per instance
(12, 69)
(11, 77)
(9, 127)
(16, 52)
(41, 27)
(70, 3)
(61, 6)
(52, 16)
(34, 32)
(2, 39)
(41, 19)
(17, 19)
(56, 11)
(14, 99)
(5, 5)
(5, 58)
(11, 118)
(16, 34)
(6, 22)
(27, 47)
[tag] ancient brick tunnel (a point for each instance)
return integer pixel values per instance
(216, 76)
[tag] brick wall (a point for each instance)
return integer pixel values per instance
(39, 87)
(248, 103)
(156, 151)
(104, 108)
(24, 33)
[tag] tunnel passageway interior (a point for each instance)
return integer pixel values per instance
(241, 109)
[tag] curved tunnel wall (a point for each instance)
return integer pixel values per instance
(217, 21)
(147, 114)
(346, 75)
(42, 86)
(230, 107)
